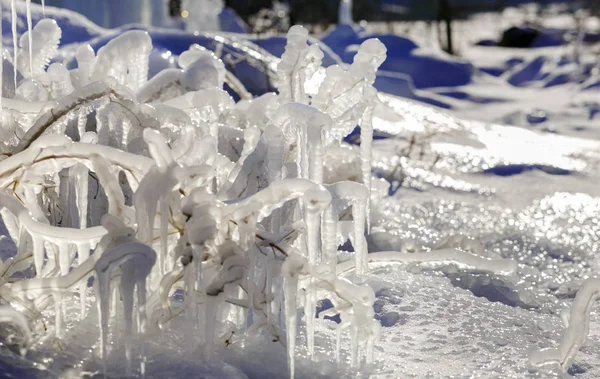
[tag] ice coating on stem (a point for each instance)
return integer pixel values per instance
(124, 58)
(38, 46)
(270, 198)
(85, 61)
(298, 63)
(443, 257)
(576, 333)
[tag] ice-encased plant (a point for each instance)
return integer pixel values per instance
(151, 186)
(164, 186)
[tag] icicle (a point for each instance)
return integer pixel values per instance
(127, 289)
(38, 254)
(103, 288)
(58, 312)
(199, 272)
(82, 119)
(275, 152)
(13, 11)
(191, 311)
(359, 214)
(64, 259)
(78, 177)
(142, 317)
(164, 226)
(318, 125)
(85, 61)
(273, 305)
(370, 349)
(302, 141)
(345, 12)
(329, 238)
(354, 345)
(252, 286)
(316, 200)
(114, 297)
(135, 261)
(44, 8)
(210, 314)
(1, 66)
(29, 29)
(290, 288)
(83, 253)
(366, 143)
(310, 305)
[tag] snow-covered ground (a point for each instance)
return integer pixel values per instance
(504, 166)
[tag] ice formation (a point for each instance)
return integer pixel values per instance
(577, 323)
(127, 180)
(345, 12)
(13, 25)
(202, 15)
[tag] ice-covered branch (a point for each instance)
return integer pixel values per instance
(264, 202)
(51, 150)
(437, 258)
(298, 63)
(576, 332)
(344, 95)
(124, 58)
(33, 59)
(94, 91)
